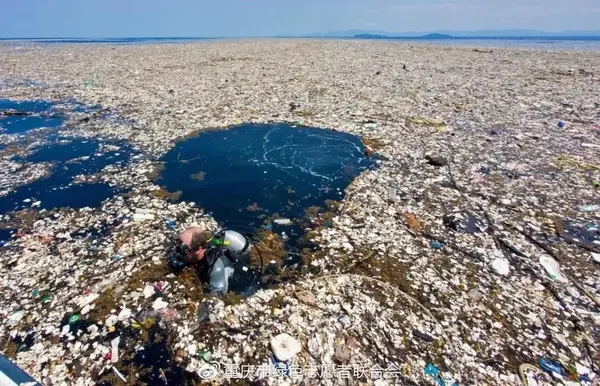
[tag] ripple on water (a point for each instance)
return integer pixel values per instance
(248, 172)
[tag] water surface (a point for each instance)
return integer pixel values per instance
(247, 173)
(68, 157)
(18, 117)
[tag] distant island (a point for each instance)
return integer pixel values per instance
(437, 36)
(433, 36)
(457, 34)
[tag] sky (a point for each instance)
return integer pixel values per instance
(243, 18)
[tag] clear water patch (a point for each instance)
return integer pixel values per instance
(18, 117)
(248, 173)
(69, 158)
(5, 236)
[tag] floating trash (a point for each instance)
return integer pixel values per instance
(15, 318)
(585, 234)
(588, 208)
(285, 347)
(436, 245)
(552, 367)
(500, 266)
(464, 221)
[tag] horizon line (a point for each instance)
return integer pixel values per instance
(309, 36)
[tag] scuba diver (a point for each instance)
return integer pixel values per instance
(218, 255)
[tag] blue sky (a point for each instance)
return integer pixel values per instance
(123, 18)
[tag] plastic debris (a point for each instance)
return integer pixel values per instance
(283, 221)
(15, 318)
(590, 145)
(588, 208)
(434, 372)
(119, 374)
(393, 194)
(143, 216)
(285, 347)
(532, 375)
(170, 223)
(436, 160)
(436, 244)
(124, 315)
(585, 374)
(35, 292)
(431, 369)
(525, 171)
(74, 318)
(87, 299)
(561, 124)
(552, 366)
(552, 268)
(474, 294)
(159, 304)
(464, 221)
(595, 257)
(114, 344)
(306, 297)
(424, 336)
(206, 355)
(500, 266)
(586, 235)
(148, 291)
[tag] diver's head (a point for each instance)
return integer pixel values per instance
(193, 244)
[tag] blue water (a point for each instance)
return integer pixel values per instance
(279, 168)
(63, 151)
(545, 42)
(56, 190)
(44, 116)
(5, 235)
(69, 158)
